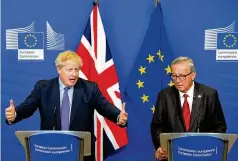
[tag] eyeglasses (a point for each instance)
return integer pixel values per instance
(180, 77)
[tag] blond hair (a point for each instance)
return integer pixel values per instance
(68, 55)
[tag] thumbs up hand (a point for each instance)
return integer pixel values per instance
(123, 116)
(10, 112)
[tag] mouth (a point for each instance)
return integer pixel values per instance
(73, 80)
(179, 86)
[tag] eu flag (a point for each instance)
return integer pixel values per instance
(32, 40)
(149, 75)
(227, 40)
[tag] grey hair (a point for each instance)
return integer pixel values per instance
(182, 59)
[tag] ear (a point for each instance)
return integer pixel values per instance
(193, 75)
(59, 70)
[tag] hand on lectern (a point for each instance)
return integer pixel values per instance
(10, 112)
(123, 116)
(161, 153)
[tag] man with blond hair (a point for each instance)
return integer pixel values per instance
(66, 102)
(188, 106)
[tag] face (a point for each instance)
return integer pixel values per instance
(69, 73)
(182, 83)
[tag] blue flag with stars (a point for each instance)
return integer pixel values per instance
(149, 75)
(30, 40)
(227, 40)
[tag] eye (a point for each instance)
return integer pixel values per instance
(70, 70)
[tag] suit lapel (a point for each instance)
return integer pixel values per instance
(176, 103)
(77, 97)
(197, 98)
(56, 103)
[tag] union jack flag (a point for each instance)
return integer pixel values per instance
(99, 67)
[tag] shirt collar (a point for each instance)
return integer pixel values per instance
(189, 93)
(61, 85)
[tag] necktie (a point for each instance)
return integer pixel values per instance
(186, 112)
(65, 108)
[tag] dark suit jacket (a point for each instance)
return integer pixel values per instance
(206, 115)
(86, 97)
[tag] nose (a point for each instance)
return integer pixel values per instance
(75, 73)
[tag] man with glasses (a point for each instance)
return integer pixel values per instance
(188, 106)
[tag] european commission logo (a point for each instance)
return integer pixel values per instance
(227, 41)
(224, 41)
(30, 44)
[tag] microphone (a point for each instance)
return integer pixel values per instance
(54, 118)
(198, 117)
(199, 96)
(198, 122)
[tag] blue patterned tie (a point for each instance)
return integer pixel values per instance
(65, 108)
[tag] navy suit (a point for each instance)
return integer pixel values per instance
(86, 98)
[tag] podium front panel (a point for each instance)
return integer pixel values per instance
(54, 146)
(197, 148)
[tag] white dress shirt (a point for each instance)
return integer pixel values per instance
(189, 98)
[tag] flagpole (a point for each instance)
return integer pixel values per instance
(156, 3)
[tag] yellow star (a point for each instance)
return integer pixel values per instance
(159, 53)
(142, 70)
(153, 109)
(161, 57)
(150, 58)
(171, 83)
(140, 84)
(168, 69)
(145, 98)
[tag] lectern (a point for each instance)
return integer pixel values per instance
(55, 145)
(197, 146)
